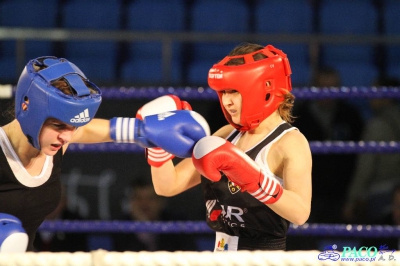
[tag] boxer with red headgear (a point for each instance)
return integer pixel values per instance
(262, 83)
(256, 171)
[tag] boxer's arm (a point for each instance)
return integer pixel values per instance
(170, 180)
(96, 131)
(295, 203)
(176, 131)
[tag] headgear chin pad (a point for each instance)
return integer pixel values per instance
(36, 99)
(261, 83)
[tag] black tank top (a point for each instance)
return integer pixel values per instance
(30, 204)
(239, 214)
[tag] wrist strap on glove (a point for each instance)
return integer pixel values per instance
(158, 156)
(122, 129)
(269, 192)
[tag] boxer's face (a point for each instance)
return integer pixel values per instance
(232, 101)
(54, 135)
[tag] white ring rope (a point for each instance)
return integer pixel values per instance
(181, 258)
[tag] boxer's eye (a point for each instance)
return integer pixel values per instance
(229, 91)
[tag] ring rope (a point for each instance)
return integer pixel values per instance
(201, 93)
(115, 226)
(206, 93)
(317, 147)
(184, 258)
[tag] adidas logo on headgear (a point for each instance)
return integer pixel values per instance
(82, 117)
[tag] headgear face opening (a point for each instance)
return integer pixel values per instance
(41, 100)
(261, 83)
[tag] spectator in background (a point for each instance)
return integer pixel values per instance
(61, 241)
(376, 173)
(329, 120)
(146, 205)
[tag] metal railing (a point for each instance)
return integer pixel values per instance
(21, 35)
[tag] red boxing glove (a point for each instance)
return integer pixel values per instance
(212, 155)
(157, 156)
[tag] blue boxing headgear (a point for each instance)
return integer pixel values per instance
(44, 101)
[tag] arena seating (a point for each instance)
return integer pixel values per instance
(29, 14)
(141, 62)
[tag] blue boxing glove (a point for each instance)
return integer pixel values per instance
(13, 237)
(157, 156)
(174, 131)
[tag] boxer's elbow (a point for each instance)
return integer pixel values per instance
(162, 193)
(165, 191)
(300, 218)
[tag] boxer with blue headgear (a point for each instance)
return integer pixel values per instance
(55, 105)
(37, 99)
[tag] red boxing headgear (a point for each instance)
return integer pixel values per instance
(262, 84)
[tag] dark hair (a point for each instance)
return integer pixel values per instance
(245, 48)
(62, 84)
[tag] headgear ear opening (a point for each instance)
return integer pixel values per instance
(37, 99)
(260, 81)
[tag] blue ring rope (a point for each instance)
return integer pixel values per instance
(206, 93)
(195, 227)
(317, 147)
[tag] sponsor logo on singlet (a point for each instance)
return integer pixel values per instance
(232, 216)
(233, 188)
